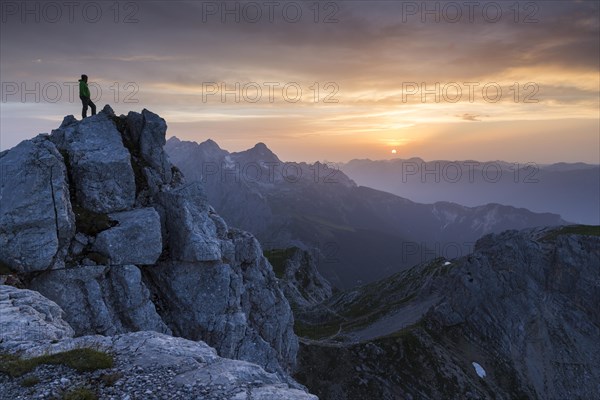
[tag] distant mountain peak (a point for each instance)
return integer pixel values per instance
(261, 146)
(210, 144)
(260, 152)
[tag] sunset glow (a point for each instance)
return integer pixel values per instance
(374, 78)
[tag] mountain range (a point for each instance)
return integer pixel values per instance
(569, 189)
(357, 234)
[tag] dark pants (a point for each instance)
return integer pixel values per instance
(86, 101)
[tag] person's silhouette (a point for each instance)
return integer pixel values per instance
(84, 95)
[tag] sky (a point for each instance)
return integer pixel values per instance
(332, 80)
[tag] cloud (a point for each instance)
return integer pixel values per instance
(469, 117)
(369, 53)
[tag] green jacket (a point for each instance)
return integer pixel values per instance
(83, 89)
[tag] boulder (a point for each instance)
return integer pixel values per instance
(26, 315)
(135, 240)
(100, 169)
(152, 139)
(192, 233)
(301, 282)
(178, 368)
(36, 219)
(238, 308)
(102, 300)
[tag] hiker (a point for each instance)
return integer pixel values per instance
(84, 95)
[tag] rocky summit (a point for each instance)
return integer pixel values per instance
(518, 318)
(121, 253)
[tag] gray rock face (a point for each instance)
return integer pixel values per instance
(27, 316)
(135, 240)
(523, 306)
(152, 140)
(237, 307)
(100, 166)
(178, 368)
(533, 299)
(198, 278)
(192, 233)
(36, 220)
(302, 283)
(100, 299)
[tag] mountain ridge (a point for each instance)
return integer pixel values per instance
(98, 220)
(346, 226)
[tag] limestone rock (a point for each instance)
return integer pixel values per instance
(238, 307)
(36, 219)
(100, 169)
(135, 240)
(200, 279)
(152, 141)
(26, 315)
(100, 299)
(523, 307)
(32, 326)
(185, 368)
(192, 233)
(302, 283)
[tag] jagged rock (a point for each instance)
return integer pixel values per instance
(238, 308)
(100, 169)
(208, 282)
(302, 283)
(36, 219)
(192, 233)
(27, 316)
(523, 307)
(100, 299)
(152, 139)
(523, 293)
(178, 368)
(135, 240)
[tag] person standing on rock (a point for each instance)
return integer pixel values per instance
(84, 95)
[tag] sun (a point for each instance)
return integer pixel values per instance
(394, 151)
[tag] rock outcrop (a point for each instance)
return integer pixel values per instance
(301, 281)
(32, 326)
(361, 234)
(517, 318)
(99, 165)
(28, 317)
(136, 239)
(99, 221)
(36, 219)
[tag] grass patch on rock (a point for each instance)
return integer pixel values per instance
(277, 258)
(585, 230)
(30, 381)
(80, 393)
(5, 269)
(81, 360)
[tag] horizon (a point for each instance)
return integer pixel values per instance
(319, 81)
(396, 158)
